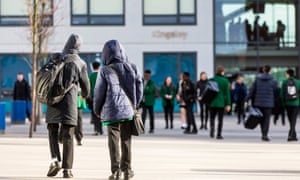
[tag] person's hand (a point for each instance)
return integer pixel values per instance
(227, 108)
(98, 115)
(199, 98)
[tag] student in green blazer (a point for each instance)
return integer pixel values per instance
(221, 101)
(290, 90)
(148, 99)
(168, 93)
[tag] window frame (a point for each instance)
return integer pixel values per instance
(88, 16)
(25, 18)
(178, 16)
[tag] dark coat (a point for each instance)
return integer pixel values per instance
(188, 92)
(75, 72)
(110, 99)
(239, 92)
(201, 84)
(263, 91)
(21, 91)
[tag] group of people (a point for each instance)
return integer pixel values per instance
(266, 94)
(117, 89)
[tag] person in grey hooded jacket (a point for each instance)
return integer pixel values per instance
(66, 112)
(115, 107)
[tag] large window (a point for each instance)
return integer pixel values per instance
(98, 12)
(15, 12)
(169, 12)
(169, 64)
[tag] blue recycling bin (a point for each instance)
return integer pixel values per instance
(18, 112)
(2, 117)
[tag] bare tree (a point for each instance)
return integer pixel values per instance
(40, 13)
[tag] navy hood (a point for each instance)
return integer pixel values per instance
(113, 52)
(73, 44)
(265, 76)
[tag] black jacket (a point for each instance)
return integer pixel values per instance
(75, 72)
(201, 84)
(188, 92)
(21, 91)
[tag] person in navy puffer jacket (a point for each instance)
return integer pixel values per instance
(263, 92)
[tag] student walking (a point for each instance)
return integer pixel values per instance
(239, 95)
(221, 101)
(65, 112)
(263, 92)
(290, 91)
(118, 87)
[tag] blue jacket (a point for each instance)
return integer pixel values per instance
(239, 92)
(110, 100)
(263, 91)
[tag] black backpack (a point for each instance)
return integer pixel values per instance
(291, 90)
(49, 81)
(210, 92)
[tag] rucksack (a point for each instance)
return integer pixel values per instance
(291, 90)
(49, 81)
(210, 92)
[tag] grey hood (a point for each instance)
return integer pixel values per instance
(113, 52)
(73, 44)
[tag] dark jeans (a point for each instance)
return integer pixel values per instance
(68, 145)
(265, 123)
(203, 113)
(97, 123)
(190, 117)
(78, 128)
(292, 113)
(151, 113)
(213, 113)
(168, 110)
(116, 132)
(240, 111)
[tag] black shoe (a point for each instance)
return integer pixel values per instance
(220, 137)
(212, 134)
(171, 126)
(79, 143)
(292, 139)
(186, 131)
(67, 174)
(265, 138)
(194, 131)
(201, 127)
(128, 174)
(95, 134)
(205, 127)
(115, 176)
(151, 131)
(167, 127)
(53, 169)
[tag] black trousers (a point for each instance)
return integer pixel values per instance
(97, 123)
(265, 123)
(68, 145)
(203, 113)
(213, 113)
(151, 113)
(190, 117)
(292, 113)
(117, 132)
(168, 110)
(240, 111)
(78, 128)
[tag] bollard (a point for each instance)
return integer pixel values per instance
(18, 112)
(2, 117)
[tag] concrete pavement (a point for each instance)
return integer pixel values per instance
(165, 155)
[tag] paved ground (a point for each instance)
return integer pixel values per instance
(166, 155)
